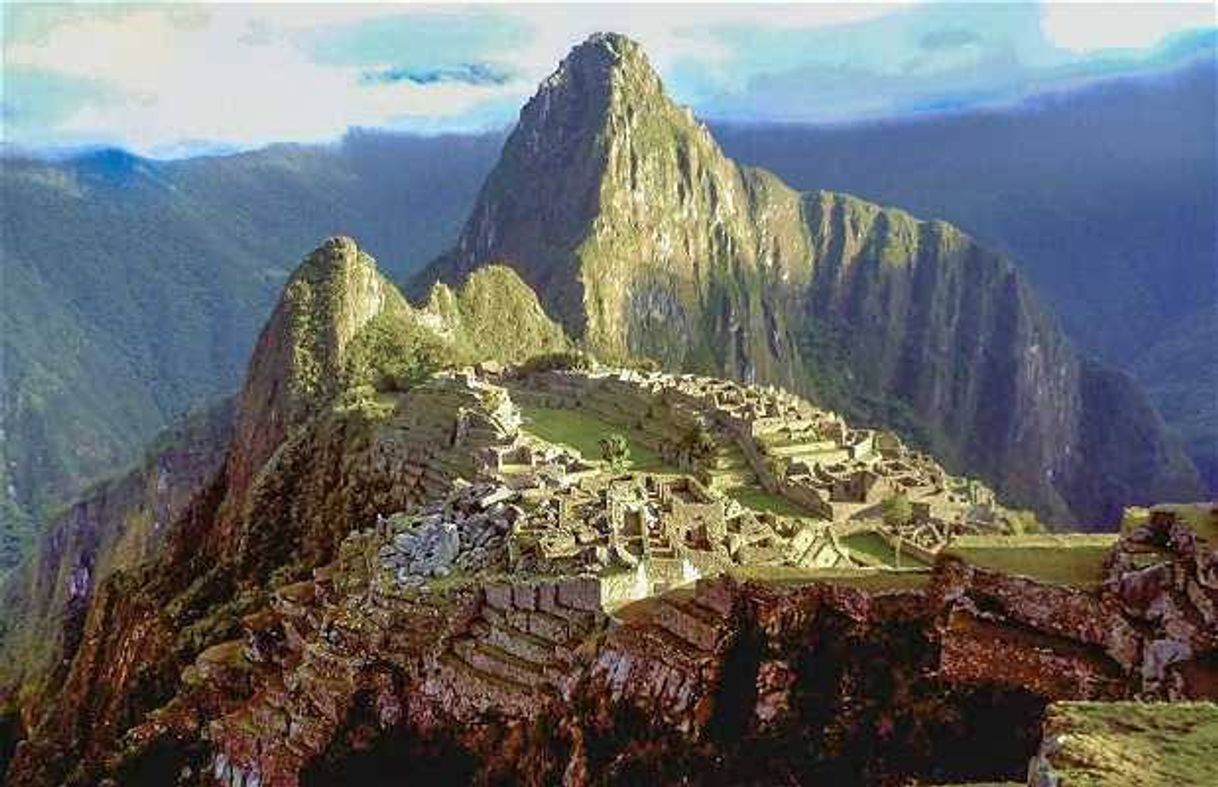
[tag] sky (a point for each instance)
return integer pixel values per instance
(173, 79)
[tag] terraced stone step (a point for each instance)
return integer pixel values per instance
(711, 597)
(725, 479)
(580, 622)
(728, 460)
(692, 623)
(664, 641)
(522, 644)
(462, 670)
(811, 453)
(497, 661)
(542, 624)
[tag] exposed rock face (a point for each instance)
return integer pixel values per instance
(619, 208)
(317, 451)
(300, 354)
(340, 325)
(119, 525)
(342, 676)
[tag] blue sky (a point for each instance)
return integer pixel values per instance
(170, 78)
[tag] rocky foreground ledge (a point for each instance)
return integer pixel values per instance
(880, 679)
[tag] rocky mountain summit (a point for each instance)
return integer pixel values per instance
(644, 240)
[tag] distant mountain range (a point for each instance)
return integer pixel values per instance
(133, 289)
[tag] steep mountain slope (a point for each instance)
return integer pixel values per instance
(1105, 196)
(268, 632)
(116, 525)
(646, 241)
(133, 289)
(1180, 372)
(316, 449)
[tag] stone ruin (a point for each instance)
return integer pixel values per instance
(769, 437)
(537, 509)
(464, 532)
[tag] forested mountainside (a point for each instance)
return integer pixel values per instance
(646, 241)
(134, 289)
(273, 482)
(1104, 196)
(382, 574)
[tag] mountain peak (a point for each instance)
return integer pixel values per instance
(601, 76)
(334, 253)
(298, 360)
(599, 126)
(601, 55)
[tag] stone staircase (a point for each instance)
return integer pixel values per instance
(656, 547)
(522, 642)
(681, 627)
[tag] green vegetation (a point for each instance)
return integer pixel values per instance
(569, 360)
(1134, 744)
(759, 499)
(870, 544)
(352, 336)
(897, 510)
(615, 451)
(1067, 559)
(392, 353)
(133, 289)
(698, 444)
(583, 432)
(495, 315)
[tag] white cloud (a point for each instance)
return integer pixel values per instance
(243, 75)
(1084, 27)
(226, 75)
(671, 32)
(246, 75)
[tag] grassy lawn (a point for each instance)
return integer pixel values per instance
(873, 545)
(1076, 560)
(582, 432)
(758, 499)
(1135, 743)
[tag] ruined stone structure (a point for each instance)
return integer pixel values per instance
(517, 613)
(768, 436)
(552, 512)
